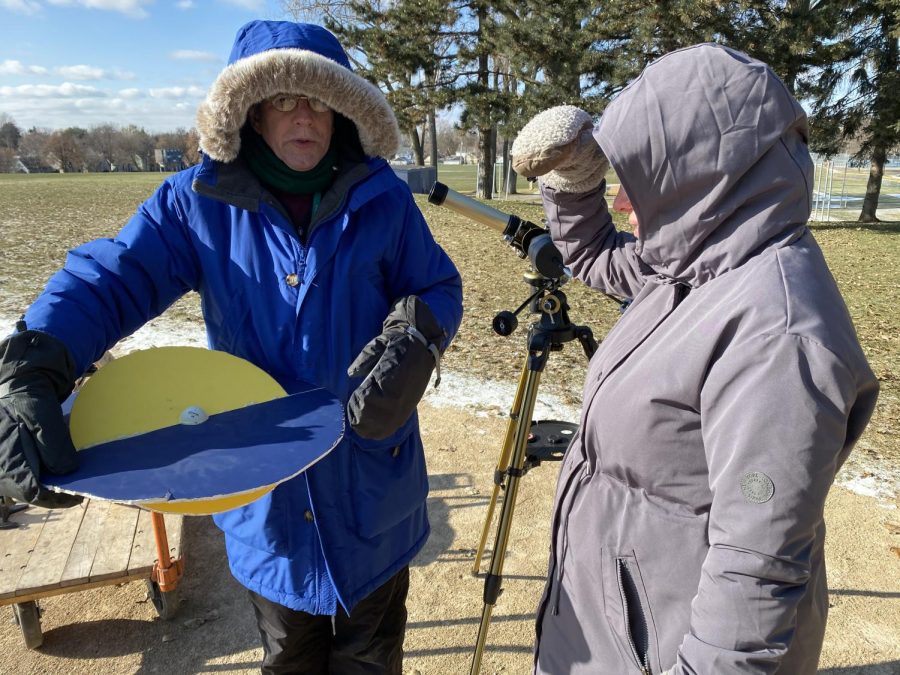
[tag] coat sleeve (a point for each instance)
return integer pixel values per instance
(779, 414)
(419, 266)
(108, 288)
(598, 254)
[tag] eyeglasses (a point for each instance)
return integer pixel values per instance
(287, 102)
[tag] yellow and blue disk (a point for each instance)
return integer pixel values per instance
(193, 431)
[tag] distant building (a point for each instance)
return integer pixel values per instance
(35, 165)
(168, 159)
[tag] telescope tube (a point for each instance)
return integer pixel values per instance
(527, 238)
(441, 195)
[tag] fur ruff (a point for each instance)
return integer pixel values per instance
(293, 71)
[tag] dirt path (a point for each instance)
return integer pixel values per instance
(114, 630)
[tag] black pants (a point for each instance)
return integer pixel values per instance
(370, 641)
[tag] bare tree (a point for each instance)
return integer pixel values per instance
(191, 147)
(66, 149)
(33, 149)
(104, 141)
(8, 162)
(449, 138)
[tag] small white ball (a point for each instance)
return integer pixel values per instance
(193, 415)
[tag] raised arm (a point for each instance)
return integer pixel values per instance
(558, 145)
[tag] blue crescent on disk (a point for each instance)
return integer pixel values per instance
(193, 431)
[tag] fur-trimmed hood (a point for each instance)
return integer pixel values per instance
(272, 57)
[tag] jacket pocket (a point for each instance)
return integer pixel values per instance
(628, 612)
(264, 524)
(390, 482)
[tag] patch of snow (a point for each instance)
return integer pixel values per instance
(869, 479)
(160, 332)
(493, 398)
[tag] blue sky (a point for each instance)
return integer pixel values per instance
(86, 62)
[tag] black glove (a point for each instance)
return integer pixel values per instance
(397, 365)
(37, 373)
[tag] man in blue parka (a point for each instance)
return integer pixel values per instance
(313, 262)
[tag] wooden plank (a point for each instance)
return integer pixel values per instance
(61, 590)
(174, 528)
(114, 548)
(143, 553)
(50, 553)
(84, 548)
(16, 546)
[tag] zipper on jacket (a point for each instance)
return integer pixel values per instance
(633, 615)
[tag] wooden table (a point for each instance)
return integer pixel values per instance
(94, 544)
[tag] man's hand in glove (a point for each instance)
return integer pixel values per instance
(36, 374)
(558, 145)
(397, 366)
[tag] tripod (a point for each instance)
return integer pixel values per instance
(548, 334)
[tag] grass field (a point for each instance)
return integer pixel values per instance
(42, 216)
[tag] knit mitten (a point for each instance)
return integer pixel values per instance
(558, 145)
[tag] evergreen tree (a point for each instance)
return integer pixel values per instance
(857, 96)
(793, 38)
(401, 46)
(10, 134)
(629, 34)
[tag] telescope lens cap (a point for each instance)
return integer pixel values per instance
(438, 193)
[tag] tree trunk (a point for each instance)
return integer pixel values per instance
(873, 188)
(485, 184)
(509, 176)
(416, 143)
(432, 132)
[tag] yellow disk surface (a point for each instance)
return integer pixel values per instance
(150, 389)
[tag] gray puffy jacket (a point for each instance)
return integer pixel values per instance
(688, 529)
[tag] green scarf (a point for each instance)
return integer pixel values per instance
(272, 171)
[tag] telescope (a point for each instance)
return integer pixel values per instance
(529, 240)
(521, 450)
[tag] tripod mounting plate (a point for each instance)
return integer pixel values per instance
(548, 440)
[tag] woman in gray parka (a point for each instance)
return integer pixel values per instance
(688, 530)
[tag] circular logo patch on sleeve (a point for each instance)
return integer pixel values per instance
(757, 487)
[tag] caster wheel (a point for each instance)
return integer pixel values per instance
(166, 604)
(28, 616)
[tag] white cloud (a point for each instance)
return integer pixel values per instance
(177, 92)
(12, 67)
(193, 55)
(82, 72)
(84, 111)
(254, 5)
(132, 8)
(116, 74)
(131, 93)
(64, 90)
(21, 6)
(185, 4)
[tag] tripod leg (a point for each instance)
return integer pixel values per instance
(502, 465)
(494, 578)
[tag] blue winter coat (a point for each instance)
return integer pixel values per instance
(214, 229)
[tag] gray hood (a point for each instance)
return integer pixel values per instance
(700, 218)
